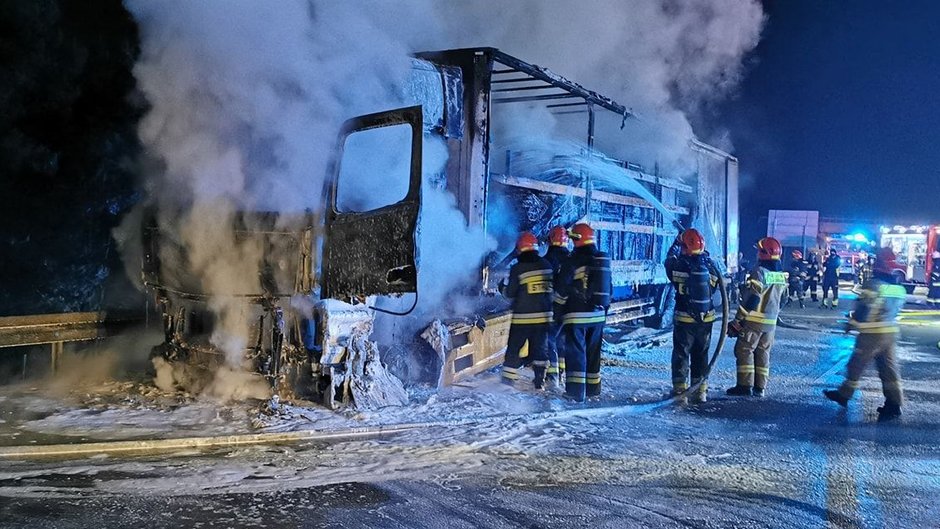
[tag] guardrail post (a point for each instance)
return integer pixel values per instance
(56, 355)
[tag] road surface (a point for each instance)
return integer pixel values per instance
(789, 460)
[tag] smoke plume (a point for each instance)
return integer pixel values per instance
(246, 98)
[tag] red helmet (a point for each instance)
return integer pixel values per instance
(797, 254)
(558, 236)
(527, 243)
(885, 261)
(768, 249)
(692, 242)
(582, 234)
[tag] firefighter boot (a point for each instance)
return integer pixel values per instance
(701, 395)
(825, 303)
(757, 392)
(835, 303)
(802, 305)
(889, 412)
(836, 397)
(739, 391)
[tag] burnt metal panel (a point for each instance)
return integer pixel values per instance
(374, 252)
(284, 242)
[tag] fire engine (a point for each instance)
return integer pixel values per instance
(914, 247)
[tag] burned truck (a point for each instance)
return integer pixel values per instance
(367, 243)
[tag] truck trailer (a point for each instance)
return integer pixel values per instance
(344, 253)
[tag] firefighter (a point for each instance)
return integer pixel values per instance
(797, 273)
(692, 275)
(582, 296)
(530, 290)
(933, 292)
(812, 276)
(755, 323)
(830, 279)
(875, 317)
(556, 254)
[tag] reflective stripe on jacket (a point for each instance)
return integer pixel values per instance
(530, 289)
(761, 304)
(876, 310)
(583, 287)
(693, 279)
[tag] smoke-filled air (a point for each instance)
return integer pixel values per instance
(246, 99)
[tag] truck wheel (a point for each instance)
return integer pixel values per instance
(665, 297)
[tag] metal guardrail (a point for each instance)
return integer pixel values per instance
(56, 329)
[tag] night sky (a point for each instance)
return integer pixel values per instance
(840, 112)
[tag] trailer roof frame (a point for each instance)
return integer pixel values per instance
(505, 64)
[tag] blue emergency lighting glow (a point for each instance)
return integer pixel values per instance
(858, 237)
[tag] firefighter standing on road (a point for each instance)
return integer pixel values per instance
(556, 255)
(756, 321)
(812, 276)
(933, 291)
(530, 290)
(797, 273)
(694, 280)
(830, 280)
(875, 317)
(582, 297)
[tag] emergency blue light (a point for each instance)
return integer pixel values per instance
(858, 237)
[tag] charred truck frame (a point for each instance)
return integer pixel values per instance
(457, 93)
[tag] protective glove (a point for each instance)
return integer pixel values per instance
(734, 329)
(502, 286)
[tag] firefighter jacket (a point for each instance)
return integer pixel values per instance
(766, 285)
(530, 289)
(812, 269)
(556, 255)
(583, 287)
(831, 267)
(695, 283)
(879, 302)
(797, 272)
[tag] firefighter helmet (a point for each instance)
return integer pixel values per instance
(558, 236)
(582, 234)
(885, 261)
(527, 243)
(692, 242)
(797, 254)
(768, 249)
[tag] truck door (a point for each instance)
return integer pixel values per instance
(375, 197)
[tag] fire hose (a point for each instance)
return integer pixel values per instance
(725, 317)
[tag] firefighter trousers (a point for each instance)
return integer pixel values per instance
(556, 350)
(583, 360)
(690, 341)
(536, 335)
(795, 292)
(933, 295)
(833, 285)
(752, 355)
(880, 348)
(812, 286)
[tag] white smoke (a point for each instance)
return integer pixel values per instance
(247, 97)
